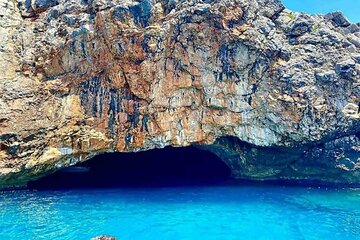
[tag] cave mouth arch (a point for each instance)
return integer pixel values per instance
(169, 166)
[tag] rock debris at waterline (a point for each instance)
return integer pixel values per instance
(104, 237)
(272, 92)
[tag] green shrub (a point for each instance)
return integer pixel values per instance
(291, 15)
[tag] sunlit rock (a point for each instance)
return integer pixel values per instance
(275, 93)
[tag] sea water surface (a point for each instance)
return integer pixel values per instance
(190, 212)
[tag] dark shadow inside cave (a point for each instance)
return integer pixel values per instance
(159, 167)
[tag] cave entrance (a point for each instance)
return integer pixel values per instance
(159, 167)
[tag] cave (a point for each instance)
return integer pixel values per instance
(153, 168)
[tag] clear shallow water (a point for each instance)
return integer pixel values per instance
(226, 212)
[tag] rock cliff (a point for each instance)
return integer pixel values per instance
(273, 92)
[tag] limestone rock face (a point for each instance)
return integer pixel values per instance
(274, 93)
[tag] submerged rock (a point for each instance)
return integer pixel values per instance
(103, 238)
(274, 93)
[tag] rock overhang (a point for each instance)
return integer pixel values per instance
(85, 77)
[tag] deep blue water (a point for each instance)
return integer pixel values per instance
(193, 212)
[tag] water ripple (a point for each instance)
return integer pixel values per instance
(182, 213)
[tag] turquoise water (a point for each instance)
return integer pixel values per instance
(218, 212)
